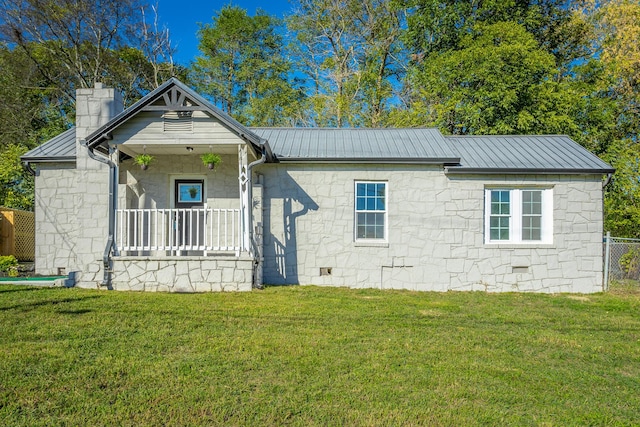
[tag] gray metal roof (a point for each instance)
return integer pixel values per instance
(350, 145)
(58, 148)
(462, 154)
(524, 153)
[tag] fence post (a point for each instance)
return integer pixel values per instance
(607, 257)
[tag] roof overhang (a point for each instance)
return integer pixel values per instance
(370, 160)
(520, 171)
(49, 159)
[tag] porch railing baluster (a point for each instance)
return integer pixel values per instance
(174, 230)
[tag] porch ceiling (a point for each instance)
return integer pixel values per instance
(177, 149)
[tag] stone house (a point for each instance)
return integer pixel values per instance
(383, 208)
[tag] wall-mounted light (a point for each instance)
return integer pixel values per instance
(189, 149)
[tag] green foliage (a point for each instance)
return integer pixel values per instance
(211, 158)
(622, 201)
(305, 356)
(441, 25)
(9, 265)
(143, 159)
(499, 82)
(77, 44)
(351, 53)
(630, 263)
(16, 184)
(244, 70)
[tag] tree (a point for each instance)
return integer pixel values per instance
(350, 52)
(77, 43)
(617, 30)
(441, 25)
(500, 81)
(48, 49)
(244, 70)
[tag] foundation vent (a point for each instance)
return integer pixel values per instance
(325, 271)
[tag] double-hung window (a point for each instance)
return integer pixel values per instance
(518, 215)
(371, 211)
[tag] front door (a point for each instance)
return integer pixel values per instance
(189, 223)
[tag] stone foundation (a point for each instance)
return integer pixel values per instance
(183, 274)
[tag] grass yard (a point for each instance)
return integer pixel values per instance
(314, 356)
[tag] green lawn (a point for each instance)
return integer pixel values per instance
(313, 356)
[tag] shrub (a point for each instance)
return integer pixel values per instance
(630, 263)
(9, 265)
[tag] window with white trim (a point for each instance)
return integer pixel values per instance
(371, 210)
(518, 215)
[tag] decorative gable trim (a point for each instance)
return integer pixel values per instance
(173, 95)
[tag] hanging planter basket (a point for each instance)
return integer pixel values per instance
(210, 160)
(143, 160)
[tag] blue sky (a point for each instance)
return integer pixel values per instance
(182, 18)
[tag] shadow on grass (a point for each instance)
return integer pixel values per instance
(281, 285)
(74, 312)
(21, 289)
(52, 302)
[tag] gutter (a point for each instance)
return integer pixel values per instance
(607, 181)
(371, 160)
(517, 171)
(32, 171)
(107, 262)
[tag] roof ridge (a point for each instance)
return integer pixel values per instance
(335, 128)
(509, 136)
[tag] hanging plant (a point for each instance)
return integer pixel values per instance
(144, 160)
(210, 160)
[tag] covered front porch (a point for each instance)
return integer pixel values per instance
(181, 227)
(177, 224)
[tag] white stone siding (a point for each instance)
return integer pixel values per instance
(56, 212)
(182, 274)
(435, 232)
(72, 199)
(71, 221)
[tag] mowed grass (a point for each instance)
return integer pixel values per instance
(314, 356)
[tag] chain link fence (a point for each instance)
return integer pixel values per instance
(622, 259)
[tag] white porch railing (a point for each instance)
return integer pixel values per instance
(175, 230)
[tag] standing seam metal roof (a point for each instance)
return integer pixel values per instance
(467, 154)
(524, 153)
(58, 148)
(349, 144)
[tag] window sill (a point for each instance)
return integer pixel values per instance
(520, 245)
(375, 244)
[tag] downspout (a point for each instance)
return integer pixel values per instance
(109, 249)
(249, 213)
(28, 167)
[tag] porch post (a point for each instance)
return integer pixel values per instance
(243, 179)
